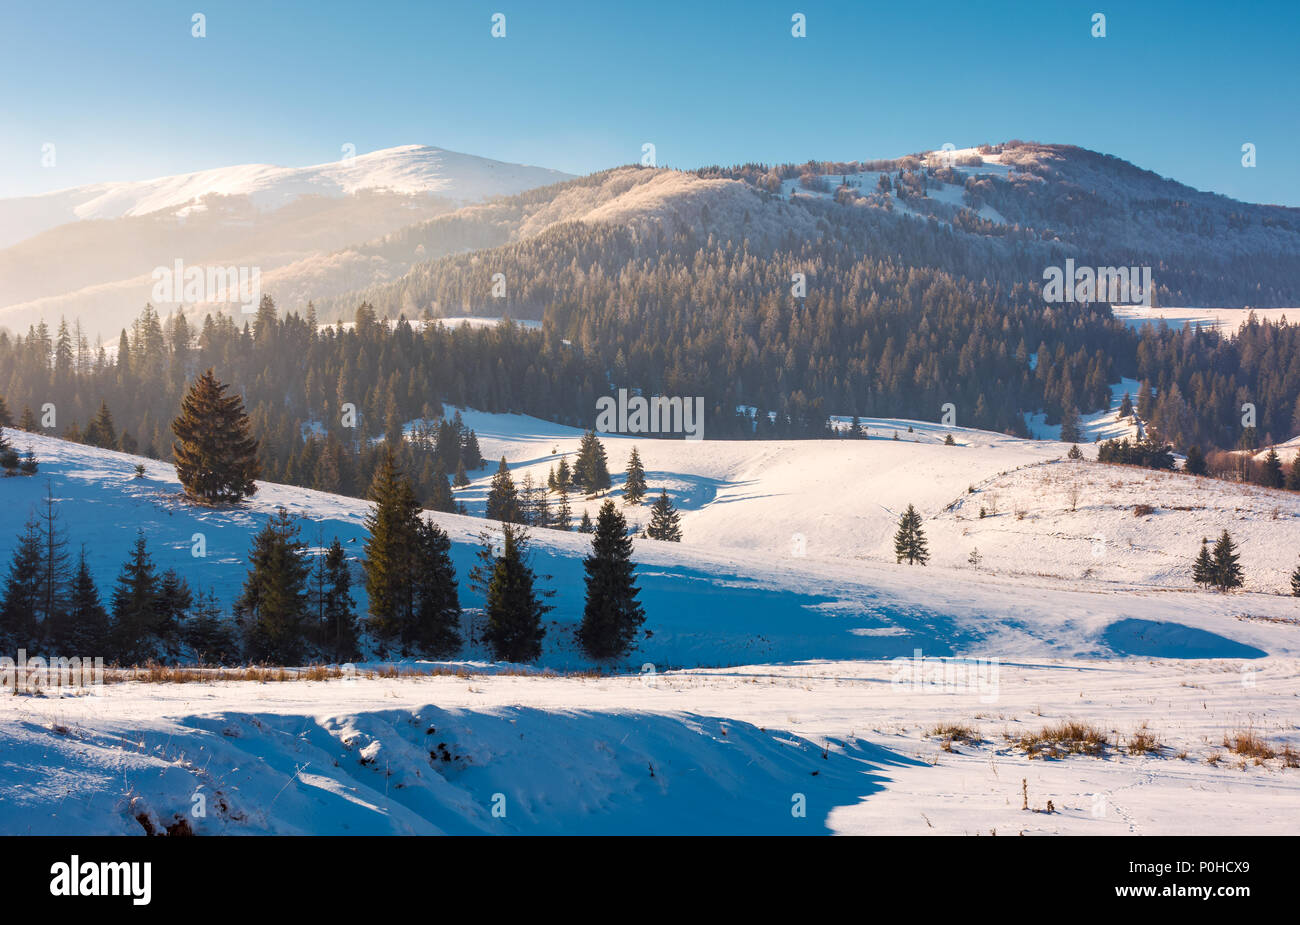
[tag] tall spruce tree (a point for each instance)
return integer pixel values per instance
(1295, 582)
(612, 614)
(83, 628)
(136, 619)
(634, 487)
(1203, 567)
(175, 599)
(664, 520)
(909, 541)
(1271, 475)
(514, 607)
(22, 595)
(440, 497)
(435, 631)
(1070, 426)
(101, 431)
(503, 497)
(394, 526)
(1195, 464)
(591, 469)
(1227, 568)
(563, 510)
(54, 563)
(216, 456)
(336, 610)
(273, 605)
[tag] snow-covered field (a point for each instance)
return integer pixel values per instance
(768, 670)
(1226, 319)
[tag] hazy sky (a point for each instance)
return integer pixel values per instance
(123, 91)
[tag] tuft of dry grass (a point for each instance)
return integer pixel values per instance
(1144, 742)
(1248, 744)
(954, 732)
(1070, 737)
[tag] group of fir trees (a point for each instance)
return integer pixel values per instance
(1221, 568)
(51, 604)
(410, 580)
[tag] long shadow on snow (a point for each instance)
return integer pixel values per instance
(430, 770)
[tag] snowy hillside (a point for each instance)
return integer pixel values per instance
(787, 550)
(406, 169)
(822, 704)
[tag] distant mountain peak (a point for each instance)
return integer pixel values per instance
(406, 169)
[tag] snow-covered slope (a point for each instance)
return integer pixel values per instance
(407, 169)
(787, 551)
(811, 712)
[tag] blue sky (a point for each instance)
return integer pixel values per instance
(125, 92)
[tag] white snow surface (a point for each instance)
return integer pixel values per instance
(767, 670)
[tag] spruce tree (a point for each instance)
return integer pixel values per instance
(394, 525)
(435, 631)
(54, 563)
(470, 453)
(440, 497)
(563, 510)
(135, 607)
(28, 421)
(1195, 464)
(503, 498)
(1070, 432)
(612, 615)
(634, 487)
(462, 479)
(101, 431)
(1271, 475)
(5, 419)
(563, 474)
(1075, 452)
(1293, 475)
(664, 520)
(591, 470)
(585, 525)
(273, 605)
(338, 612)
(216, 457)
(83, 629)
(1295, 582)
(1227, 569)
(211, 640)
(22, 594)
(909, 541)
(174, 602)
(1203, 567)
(8, 456)
(514, 608)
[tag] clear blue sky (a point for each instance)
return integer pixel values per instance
(125, 92)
